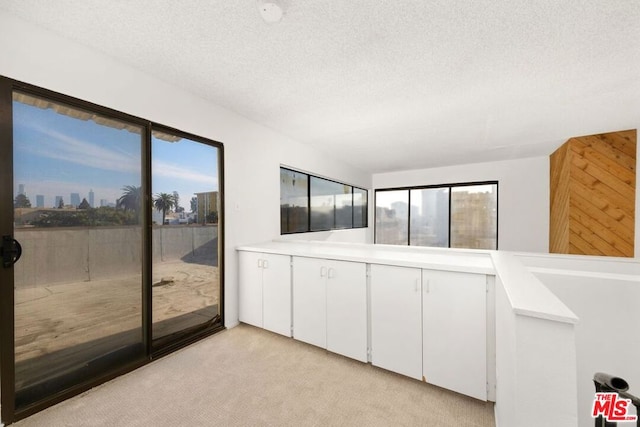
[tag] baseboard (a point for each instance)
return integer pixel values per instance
(228, 326)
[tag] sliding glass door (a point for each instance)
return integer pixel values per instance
(111, 236)
(78, 284)
(186, 223)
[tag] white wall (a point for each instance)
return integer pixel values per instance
(603, 293)
(253, 153)
(535, 350)
(523, 196)
(606, 335)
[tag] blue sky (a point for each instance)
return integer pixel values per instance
(56, 155)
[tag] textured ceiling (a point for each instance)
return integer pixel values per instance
(387, 85)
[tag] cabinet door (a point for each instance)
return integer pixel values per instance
(455, 331)
(396, 319)
(250, 288)
(276, 293)
(310, 301)
(347, 309)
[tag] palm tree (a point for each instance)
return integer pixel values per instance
(131, 198)
(164, 202)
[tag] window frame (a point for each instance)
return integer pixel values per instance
(435, 186)
(353, 210)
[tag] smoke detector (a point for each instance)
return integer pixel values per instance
(270, 11)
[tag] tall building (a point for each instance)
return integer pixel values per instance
(103, 202)
(435, 215)
(207, 207)
(75, 199)
(20, 188)
(91, 198)
(39, 201)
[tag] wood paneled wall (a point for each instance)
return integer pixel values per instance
(593, 193)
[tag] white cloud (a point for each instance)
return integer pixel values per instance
(172, 171)
(59, 146)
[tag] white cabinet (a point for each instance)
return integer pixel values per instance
(431, 325)
(396, 319)
(330, 305)
(454, 328)
(265, 291)
(347, 309)
(310, 301)
(425, 324)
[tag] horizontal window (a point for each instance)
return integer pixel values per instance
(448, 216)
(294, 201)
(310, 203)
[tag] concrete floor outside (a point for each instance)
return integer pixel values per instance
(64, 324)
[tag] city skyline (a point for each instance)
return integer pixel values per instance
(57, 154)
(41, 200)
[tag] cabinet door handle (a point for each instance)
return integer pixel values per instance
(332, 273)
(323, 271)
(417, 288)
(265, 264)
(260, 263)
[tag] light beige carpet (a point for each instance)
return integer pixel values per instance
(246, 376)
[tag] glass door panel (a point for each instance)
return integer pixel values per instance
(186, 222)
(77, 213)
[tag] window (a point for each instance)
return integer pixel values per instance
(474, 216)
(360, 210)
(447, 216)
(391, 217)
(311, 203)
(294, 201)
(430, 217)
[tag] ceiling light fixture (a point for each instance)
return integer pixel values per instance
(270, 11)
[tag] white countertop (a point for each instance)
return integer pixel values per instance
(527, 294)
(403, 256)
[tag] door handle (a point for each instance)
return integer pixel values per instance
(11, 251)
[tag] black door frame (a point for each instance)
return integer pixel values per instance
(9, 412)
